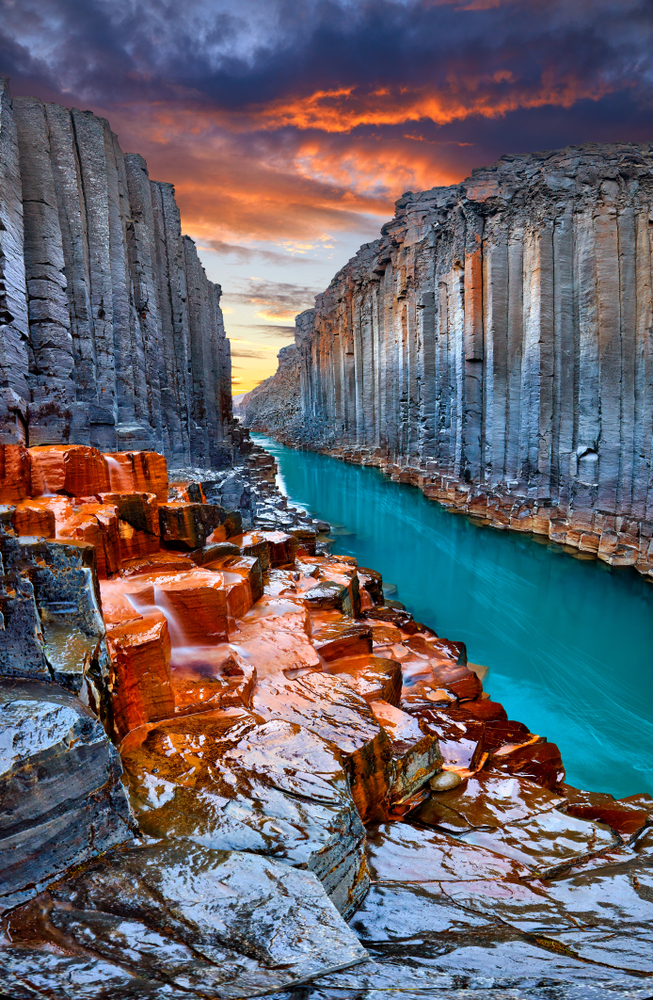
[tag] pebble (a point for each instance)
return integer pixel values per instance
(445, 781)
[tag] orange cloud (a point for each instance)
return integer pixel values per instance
(467, 96)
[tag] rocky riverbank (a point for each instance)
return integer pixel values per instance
(231, 767)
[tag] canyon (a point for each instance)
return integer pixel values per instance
(230, 766)
(494, 348)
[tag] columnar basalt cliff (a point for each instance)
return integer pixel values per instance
(111, 335)
(495, 347)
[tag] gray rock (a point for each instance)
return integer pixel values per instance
(202, 923)
(494, 336)
(61, 799)
(110, 332)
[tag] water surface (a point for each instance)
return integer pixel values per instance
(569, 643)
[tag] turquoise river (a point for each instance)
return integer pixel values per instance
(568, 642)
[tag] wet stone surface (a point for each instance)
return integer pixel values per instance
(295, 753)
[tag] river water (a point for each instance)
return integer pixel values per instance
(569, 642)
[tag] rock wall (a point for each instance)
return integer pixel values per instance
(111, 335)
(276, 405)
(498, 338)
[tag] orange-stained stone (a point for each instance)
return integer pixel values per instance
(329, 707)
(141, 510)
(216, 678)
(116, 607)
(374, 678)
(163, 561)
(416, 754)
(140, 654)
(194, 602)
(248, 568)
(138, 472)
(75, 470)
(345, 638)
(135, 544)
(486, 801)
(461, 742)
(15, 474)
(625, 816)
(32, 517)
(538, 762)
(188, 526)
(273, 635)
(96, 524)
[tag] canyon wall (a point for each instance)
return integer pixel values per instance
(276, 404)
(110, 332)
(498, 337)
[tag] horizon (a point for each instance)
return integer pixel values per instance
(289, 129)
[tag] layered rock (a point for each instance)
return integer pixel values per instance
(276, 404)
(493, 347)
(111, 334)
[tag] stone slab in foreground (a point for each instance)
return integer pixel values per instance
(172, 920)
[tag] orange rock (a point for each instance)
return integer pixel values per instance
(138, 472)
(72, 469)
(188, 526)
(274, 636)
(167, 562)
(344, 638)
(327, 706)
(194, 602)
(248, 568)
(96, 524)
(135, 544)
(219, 679)
(374, 678)
(415, 751)
(141, 510)
(32, 517)
(140, 654)
(116, 607)
(15, 473)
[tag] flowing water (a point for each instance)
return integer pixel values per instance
(569, 642)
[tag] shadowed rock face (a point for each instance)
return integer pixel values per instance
(111, 335)
(61, 800)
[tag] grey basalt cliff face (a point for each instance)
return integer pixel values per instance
(110, 332)
(497, 341)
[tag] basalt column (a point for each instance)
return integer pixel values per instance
(110, 332)
(499, 334)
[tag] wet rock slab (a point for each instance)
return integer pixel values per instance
(175, 919)
(229, 781)
(61, 800)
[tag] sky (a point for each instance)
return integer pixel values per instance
(290, 127)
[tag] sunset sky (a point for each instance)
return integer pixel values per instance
(289, 127)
